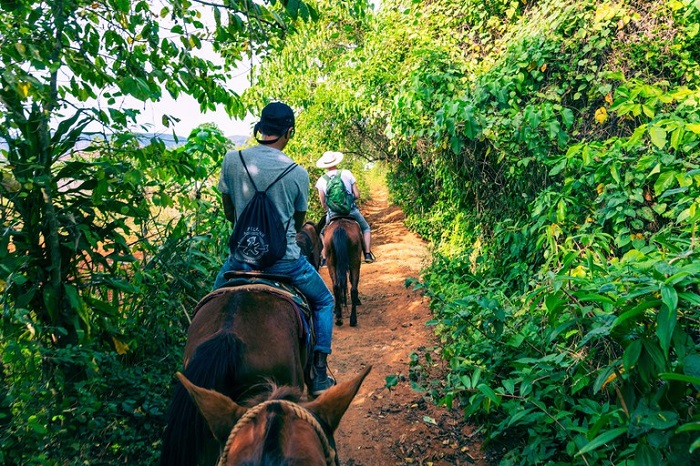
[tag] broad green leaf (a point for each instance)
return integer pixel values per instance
(694, 127)
(631, 355)
(691, 367)
(691, 298)
(669, 296)
(665, 324)
(604, 377)
(635, 311)
(391, 381)
(689, 427)
(646, 455)
(614, 172)
(594, 298)
(656, 354)
(658, 136)
(489, 393)
(664, 181)
(679, 377)
(601, 440)
(567, 117)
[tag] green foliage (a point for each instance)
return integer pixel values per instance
(548, 151)
(106, 248)
(113, 387)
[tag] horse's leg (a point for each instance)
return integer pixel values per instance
(337, 293)
(354, 293)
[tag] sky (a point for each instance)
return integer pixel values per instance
(186, 109)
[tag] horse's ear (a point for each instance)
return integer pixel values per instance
(332, 404)
(220, 411)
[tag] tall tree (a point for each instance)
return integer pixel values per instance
(69, 66)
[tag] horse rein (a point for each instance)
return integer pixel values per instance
(290, 408)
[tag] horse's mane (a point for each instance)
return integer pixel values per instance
(271, 391)
(205, 369)
(270, 451)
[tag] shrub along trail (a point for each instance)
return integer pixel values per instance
(397, 426)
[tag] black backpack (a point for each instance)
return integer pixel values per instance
(259, 238)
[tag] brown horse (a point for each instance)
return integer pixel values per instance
(278, 430)
(309, 241)
(344, 249)
(240, 337)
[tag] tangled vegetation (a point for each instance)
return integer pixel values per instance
(549, 152)
(547, 149)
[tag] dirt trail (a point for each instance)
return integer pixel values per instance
(397, 426)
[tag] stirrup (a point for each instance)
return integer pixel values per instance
(369, 257)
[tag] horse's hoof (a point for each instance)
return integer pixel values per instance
(339, 323)
(353, 323)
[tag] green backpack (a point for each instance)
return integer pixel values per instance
(337, 197)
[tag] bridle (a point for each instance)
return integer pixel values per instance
(290, 408)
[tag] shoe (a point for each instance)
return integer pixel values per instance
(369, 257)
(323, 262)
(322, 381)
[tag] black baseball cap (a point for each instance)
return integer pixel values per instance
(276, 118)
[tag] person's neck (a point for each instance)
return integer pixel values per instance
(279, 144)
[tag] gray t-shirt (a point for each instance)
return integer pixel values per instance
(265, 164)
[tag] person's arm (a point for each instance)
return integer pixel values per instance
(355, 191)
(322, 198)
(299, 218)
(229, 208)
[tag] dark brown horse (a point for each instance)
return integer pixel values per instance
(277, 430)
(240, 337)
(344, 249)
(309, 241)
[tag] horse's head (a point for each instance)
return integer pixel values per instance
(279, 430)
(309, 241)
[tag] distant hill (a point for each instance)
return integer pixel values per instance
(169, 140)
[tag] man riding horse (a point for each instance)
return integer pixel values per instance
(330, 161)
(263, 164)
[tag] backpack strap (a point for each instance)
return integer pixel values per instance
(329, 178)
(286, 170)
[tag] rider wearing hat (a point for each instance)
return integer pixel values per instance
(330, 161)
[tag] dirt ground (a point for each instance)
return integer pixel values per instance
(393, 426)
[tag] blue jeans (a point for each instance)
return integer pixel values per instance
(309, 282)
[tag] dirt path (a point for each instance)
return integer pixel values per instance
(397, 426)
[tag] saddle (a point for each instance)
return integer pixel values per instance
(280, 285)
(341, 217)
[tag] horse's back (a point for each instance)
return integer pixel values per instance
(239, 339)
(267, 326)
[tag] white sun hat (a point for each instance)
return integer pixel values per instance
(330, 159)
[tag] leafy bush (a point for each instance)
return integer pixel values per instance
(549, 153)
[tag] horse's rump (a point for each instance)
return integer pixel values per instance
(344, 239)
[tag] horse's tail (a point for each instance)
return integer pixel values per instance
(213, 365)
(342, 263)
